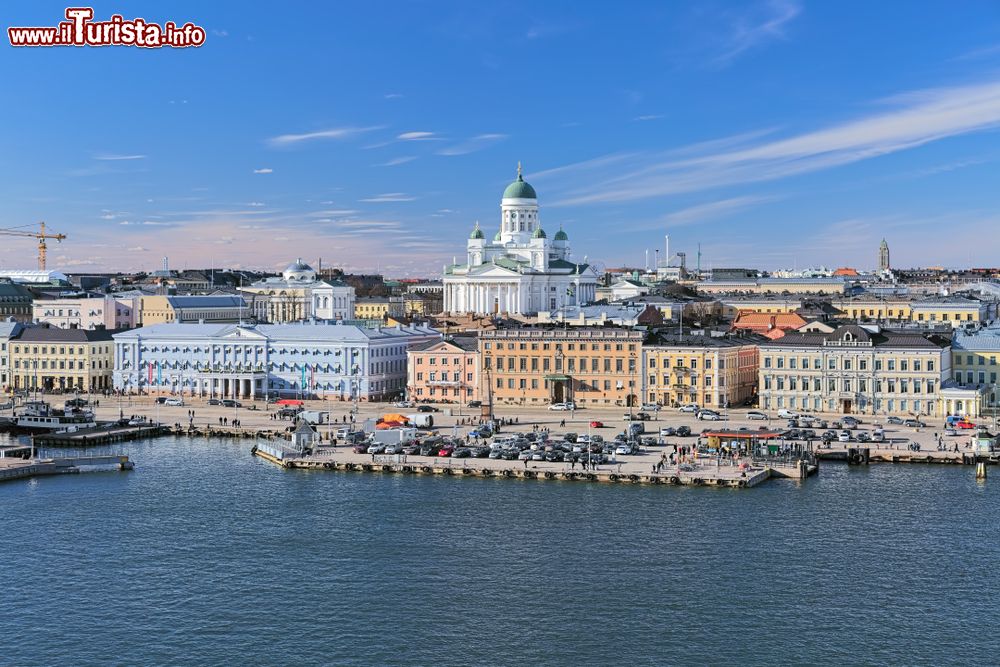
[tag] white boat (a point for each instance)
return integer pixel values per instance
(40, 416)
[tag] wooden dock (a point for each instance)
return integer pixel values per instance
(683, 475)
(855, 456)
(101, 435)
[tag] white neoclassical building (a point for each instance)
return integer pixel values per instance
(298, 295)
(521, 271)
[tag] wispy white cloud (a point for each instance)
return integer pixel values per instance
(918, 118)
(256, 203)
(651, 116)
(332, 133)
(119, 157)
(264, 170)
(476, 143)
(389, 197)
(712, 210)
(756, 26)
(393, 96)
(396, 161)
(220, 33)
(418, 136)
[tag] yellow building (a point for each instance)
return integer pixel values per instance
(875, 309)
(378, 307)
(855, 370)
(209, 308)
(772, 305)
(60, 360)
(832, 286)
(955, 310)
(591, 366)
(711, 372)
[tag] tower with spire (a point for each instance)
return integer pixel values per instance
(883, 256)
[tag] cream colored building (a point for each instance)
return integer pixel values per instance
(61, 360)
(855, 370)
(712, 372)
(213, 308)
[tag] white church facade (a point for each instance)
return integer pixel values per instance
(522, 271)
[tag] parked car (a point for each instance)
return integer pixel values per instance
(214, 401)
(360, 448)
(427, 408)
(808, 434)
(787, 414)
(461, 453)
(561, 407)
(230, 403)
(850, 422)
(690, 407)
(950, 431)
(964, 423)
(651, 407)
(175, 402)
(623, 449)
(411, 450)
(667, 431)
(481, 432)
(863, 436)
(709, 415)
(878, 435)
(895, 420)
(481, 452)
(844, 436)
(474, 404)
(159, 399)
(635, 416)
(525, 455)
(376, 449)
(683, 431)
(392, 448)
(914, 423)
(596, 424)
(829, 435)
(446, 450)
(757, 415)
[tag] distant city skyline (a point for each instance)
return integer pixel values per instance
(775, 133)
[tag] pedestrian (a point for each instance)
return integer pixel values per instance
(220, 421)
(525, 464)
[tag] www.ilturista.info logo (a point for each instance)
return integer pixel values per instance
(81, 30)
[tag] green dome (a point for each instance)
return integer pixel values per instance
(519, 189)
(561, 236)
(539, 234)
(477, 233)
(497, 237)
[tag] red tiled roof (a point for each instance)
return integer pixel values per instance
(765, 322)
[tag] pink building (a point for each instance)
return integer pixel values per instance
(86, 313)
(446, 371)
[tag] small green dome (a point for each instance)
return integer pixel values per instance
(539, 233)
(561, 235)
(477, 233)
(519, 189)
(497, 237)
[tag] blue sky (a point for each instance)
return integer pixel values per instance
(775, 133)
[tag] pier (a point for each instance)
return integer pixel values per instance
(101, 435)
(17, 468)
(632, 471)
(864, 453)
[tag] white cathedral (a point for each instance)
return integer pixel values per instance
(522, 271)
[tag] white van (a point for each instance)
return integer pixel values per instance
(787, 414)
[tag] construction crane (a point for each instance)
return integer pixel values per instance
(41, 236)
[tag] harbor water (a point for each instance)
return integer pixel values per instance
(205, 555)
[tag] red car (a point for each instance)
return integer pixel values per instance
(596, 424)
(446, 450)
(965, 423)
